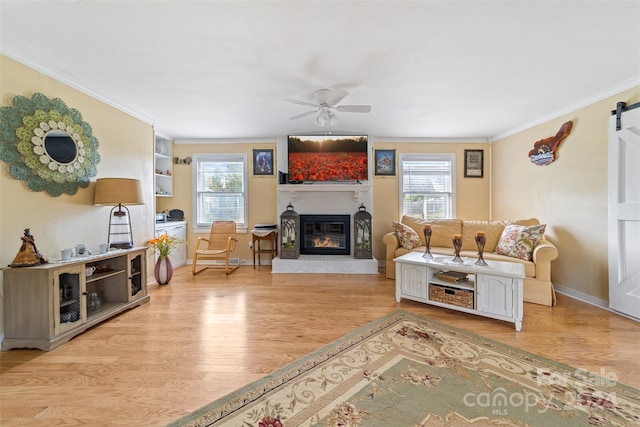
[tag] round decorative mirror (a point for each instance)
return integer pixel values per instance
(48, 145)
(60, 147)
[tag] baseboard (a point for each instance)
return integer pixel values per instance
(589, 299)
(581, 296)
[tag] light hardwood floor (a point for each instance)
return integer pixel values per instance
(201, 338)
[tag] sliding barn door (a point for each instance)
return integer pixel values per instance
(624, 210)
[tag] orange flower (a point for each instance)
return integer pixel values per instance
(163, 244)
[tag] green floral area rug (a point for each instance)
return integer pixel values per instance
(406, 370)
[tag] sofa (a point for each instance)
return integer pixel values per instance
(537, 282)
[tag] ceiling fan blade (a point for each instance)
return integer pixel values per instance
(299, 116)
(354, 108)
(296, 101)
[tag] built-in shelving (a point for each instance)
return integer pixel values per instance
(163, 167)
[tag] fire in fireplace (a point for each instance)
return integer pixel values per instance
(325, 234)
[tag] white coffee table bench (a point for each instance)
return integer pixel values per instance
(493, 291)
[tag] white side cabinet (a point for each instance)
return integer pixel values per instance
(492, 291)
(177, 229)
(163, 164)
(413, 281)
(495, 295)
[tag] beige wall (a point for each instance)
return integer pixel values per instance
(261, 191)
(570, 194)
(472, 201)
(472, 194)
(126, 150)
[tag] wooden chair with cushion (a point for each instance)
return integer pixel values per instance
(221, 242)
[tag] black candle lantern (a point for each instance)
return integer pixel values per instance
(362, 234)
(289, 230)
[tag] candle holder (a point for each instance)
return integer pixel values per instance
(480, 241)
(457, 245)
(427, 238)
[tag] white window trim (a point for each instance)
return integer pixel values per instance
(451, 157)
(243, 228)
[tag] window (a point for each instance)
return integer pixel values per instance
(220, 181)
(427, 183)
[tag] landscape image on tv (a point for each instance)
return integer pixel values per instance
(328, 158)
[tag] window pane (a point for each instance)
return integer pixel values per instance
(215, 207)
(220, 189)
(427, 185)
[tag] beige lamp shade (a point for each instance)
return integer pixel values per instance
(115, 191)
(118, 192)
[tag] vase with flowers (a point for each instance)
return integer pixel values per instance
(162, 246)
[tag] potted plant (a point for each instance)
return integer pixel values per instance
(162, 246)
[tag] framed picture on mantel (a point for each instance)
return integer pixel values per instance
(473, 163)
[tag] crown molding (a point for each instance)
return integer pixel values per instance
(428, 140)
(257, 140)
(598, 96)
(62, 79)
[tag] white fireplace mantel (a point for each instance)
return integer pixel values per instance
(357, 189)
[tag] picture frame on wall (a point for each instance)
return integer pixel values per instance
(384, 162)
(473, 163)
(263, 162)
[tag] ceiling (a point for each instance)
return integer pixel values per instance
(429, 69)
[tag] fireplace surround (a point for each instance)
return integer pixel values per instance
(325, 199)
(325, 234)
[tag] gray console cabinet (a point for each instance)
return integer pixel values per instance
(47, 305)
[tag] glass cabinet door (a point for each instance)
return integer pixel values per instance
(137, 286)
(69, 298)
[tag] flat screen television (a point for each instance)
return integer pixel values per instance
(328, 158)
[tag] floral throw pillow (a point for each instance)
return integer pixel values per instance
(518, 241)
(407, 236)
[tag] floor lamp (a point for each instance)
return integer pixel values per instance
(119, 192)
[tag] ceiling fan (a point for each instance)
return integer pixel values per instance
(326, 106)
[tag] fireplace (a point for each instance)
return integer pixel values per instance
(318, 199)
(325, 234)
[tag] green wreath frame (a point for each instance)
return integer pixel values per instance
(23, 129)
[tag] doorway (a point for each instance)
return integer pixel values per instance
(624, 210)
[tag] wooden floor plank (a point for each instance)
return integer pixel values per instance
(201, 338)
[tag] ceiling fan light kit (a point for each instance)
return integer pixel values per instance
(326, 106)
(326, 116)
